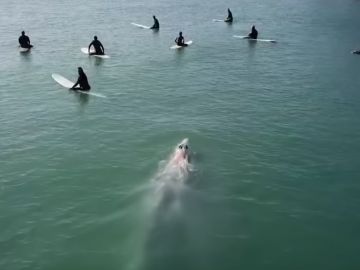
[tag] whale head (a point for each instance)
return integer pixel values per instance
(183, 149)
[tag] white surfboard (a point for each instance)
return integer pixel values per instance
(24, 50)
(217, 20)
(252, 39)
(141, 26)
(86, 51)
(180, 47)
(68, 84)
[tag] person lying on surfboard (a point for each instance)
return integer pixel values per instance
(82, 82)
(254, 33)
(24, 41)
(229, 17)
(156, 23)
(99, 48)
(180, 41)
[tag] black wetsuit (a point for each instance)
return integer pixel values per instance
(253, 34)
(180, 41)
(229, 17)
(99, 48)
(83, 83)
(24, 41)
(156, 24)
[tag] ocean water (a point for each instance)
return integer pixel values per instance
(274, 131)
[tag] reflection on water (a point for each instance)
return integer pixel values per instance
(83, 99)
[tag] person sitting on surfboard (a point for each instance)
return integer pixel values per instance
(180, 41)
(229, 17)
(254, 33)
(24, 41)
(99, 48)
(82, 82)
(156, 23)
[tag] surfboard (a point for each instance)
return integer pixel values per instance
(180, 47)
(141, 26)
(24, 50)
(252, 39)
(68, 84)
(103, 56)
(217, 20)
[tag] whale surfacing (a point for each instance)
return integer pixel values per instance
(178, 166)
(180, 157)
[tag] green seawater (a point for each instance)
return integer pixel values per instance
(274, 130)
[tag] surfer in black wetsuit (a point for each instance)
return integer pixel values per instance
(180, 41)
(229, 18)
(24, 41)
(254, 33)
(82, 82)
(99, 48)
(156, 25)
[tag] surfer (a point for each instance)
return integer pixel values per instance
(99, 48)
(156, 25)
(229, 18)
(254, 33)
(24, 41)
(82, 81)
(180, 41)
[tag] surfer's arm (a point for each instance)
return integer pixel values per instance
(76, 84)
(102, 47)
(155, 25)
(90, 46)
